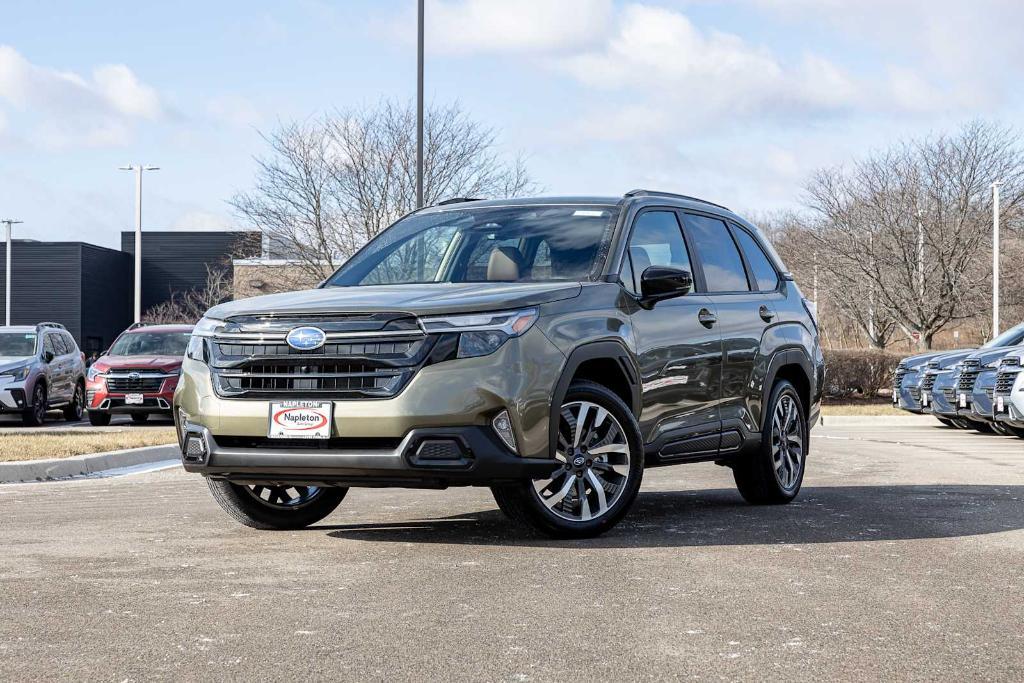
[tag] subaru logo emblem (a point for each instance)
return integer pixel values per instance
(306, 338)
(578, 461)
(134, 375)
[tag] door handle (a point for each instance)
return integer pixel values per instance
(766, 314)
(707, 318)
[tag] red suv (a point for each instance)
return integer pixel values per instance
(137, 375)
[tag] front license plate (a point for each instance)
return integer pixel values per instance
(924, 398)
(1000, 406)
(300, 420)
(134, 399)
(895, 397)
(963, 400)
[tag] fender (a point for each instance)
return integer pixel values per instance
(615, 350)
(779, 359)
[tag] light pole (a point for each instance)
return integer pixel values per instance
(995, 258)
(138, 168)
(8, 224)
(419, 106)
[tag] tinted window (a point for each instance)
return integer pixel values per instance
(17, 343)
(656, 241)
(48, 344)
(69, 342)
(150, 344)
(58, 344)
(764, 273)
(723, 267)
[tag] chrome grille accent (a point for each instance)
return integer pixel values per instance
(969, 372)
(1004, 383)
(928, 383)
(136, 382)
(897, 378)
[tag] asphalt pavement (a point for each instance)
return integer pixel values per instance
(55, 422)
(903, 558)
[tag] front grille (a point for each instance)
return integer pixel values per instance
(968, 375)
(915, 393)
(126, 383)
(365, 356)
(1010, 362)
(897, 378)
(1004, 383)
(928, 383)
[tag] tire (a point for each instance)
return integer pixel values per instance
(946, 422)
(35, 414)
(251, 506)
(1012, 431)
(99, 418)
(774, 473)
(74, 411)
(982, 427)
(562, 506)
(961, 423)
(140, 418)
(1000, 429)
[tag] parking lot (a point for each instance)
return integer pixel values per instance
(903, 557)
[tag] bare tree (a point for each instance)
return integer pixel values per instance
(330, 184)
(190, 306)
(904, 233)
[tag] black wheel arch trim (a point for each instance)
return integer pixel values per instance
(781, 359)
(607, 349)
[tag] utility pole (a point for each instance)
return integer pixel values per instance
(8, 224)
(920, 255)
(419, 107)
(138, 168)
(995, 258)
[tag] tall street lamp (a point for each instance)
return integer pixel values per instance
(995, 258)
(419, 106)
(8, 224)
(138, 168)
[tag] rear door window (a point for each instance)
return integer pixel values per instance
(719, 257)
(765, 277)
(69, 342)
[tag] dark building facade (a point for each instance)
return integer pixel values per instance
(177, 260)
(85, 287)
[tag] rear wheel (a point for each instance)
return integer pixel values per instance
(35, 414)
(596, 474)
(774, 474)
(269, 506)
(98, 418)
(73, 411)
(139, 418)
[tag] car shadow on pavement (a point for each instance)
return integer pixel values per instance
(716, 517)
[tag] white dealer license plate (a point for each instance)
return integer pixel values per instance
(134, 399)
(1000, 406)
(300, 420)
(924, 399)
(963, 400)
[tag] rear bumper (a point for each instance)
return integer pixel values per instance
(424, 458)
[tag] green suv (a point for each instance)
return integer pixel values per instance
(549, 349)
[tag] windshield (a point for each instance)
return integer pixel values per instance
(538, 243)
(1012, 337)
(17, 343)
(151, 344)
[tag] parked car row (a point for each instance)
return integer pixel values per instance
(980, 389)
(42, 369)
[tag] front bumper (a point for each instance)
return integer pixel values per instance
(424, 458)
(13, 397)
(99, 399)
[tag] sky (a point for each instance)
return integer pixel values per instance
(736, 101)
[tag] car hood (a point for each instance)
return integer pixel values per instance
(462, 297)
(8, 362)
(922, 358)
(161, 363)
(993, 356)
(948, 359)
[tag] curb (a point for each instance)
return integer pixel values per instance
(78, 465)
(877, 420)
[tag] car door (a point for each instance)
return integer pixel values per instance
(53, 378)
(745, 311)
(62, 367)
(678, 346)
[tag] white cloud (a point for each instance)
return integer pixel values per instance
(525, 26)
(65, 109)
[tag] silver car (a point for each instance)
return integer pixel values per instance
(41, 369)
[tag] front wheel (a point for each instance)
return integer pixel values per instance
(98, 418)
(35, 415)
(73, 411)
(597, 469)
(946, 422)
(140, 418)
(268, 506)
(775, 472)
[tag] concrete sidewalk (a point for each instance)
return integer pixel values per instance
(79, 465)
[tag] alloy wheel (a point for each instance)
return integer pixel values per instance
(787, 442)
(79, 403)
(595, 459)
(39, 403)
(287, 497)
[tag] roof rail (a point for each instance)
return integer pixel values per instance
(135, 326)
(50, 324)
(458, 200)
(657, 193)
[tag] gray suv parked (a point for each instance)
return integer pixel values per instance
(549, 349)
(41, 369)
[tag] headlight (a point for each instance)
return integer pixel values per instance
(482, 333)
(93, 373)
(17, 374)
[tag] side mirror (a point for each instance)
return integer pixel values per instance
(48, 356)
(658, 283)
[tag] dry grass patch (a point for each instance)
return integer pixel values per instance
(15, 447)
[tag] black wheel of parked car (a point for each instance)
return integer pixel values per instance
(73, 411)
(983, 427)
(946, 422)
(1011, 431)
(35, 414)
(139, 418)
(265, 506)
(773, 474)
(98, 418)
(600, 464)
